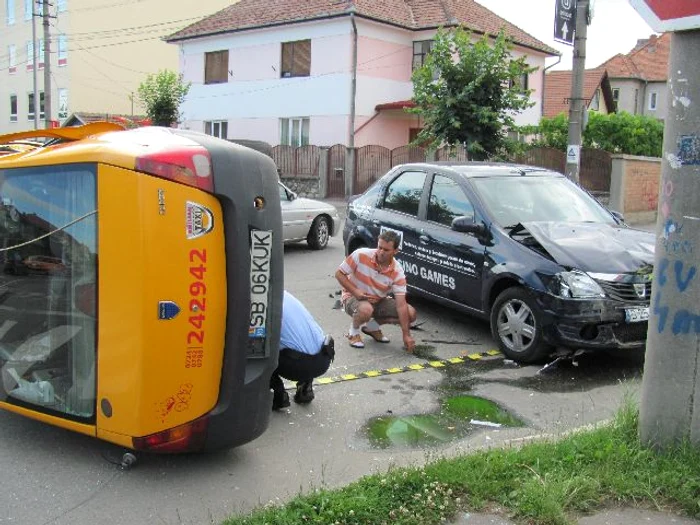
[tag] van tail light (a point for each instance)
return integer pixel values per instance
(189, 437)
(189, 165)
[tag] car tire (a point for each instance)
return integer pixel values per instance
(319, 234)
(516, 326)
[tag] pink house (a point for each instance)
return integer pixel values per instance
(325, 72)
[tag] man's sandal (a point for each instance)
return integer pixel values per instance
(377, 335)
(356, 341)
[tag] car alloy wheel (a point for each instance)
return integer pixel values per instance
(516, 326)
(319, 234)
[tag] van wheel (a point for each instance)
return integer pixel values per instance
(516, 325)
(319, 234)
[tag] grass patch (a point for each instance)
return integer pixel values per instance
(542, 483)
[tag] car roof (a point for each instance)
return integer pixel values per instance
(484, 169)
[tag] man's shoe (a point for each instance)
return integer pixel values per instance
(305, 393)
(356, 341)
(280, 400)
(377, 335)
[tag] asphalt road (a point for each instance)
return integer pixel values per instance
(50, 476)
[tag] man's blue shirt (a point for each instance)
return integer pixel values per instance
(300, 331)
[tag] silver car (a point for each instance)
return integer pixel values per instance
(307, 219)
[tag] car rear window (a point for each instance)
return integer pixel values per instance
(48, 318)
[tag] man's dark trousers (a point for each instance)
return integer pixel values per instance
(299, 367)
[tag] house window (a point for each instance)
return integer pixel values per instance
(62, 50)
(421, 49)
(12, 54)
(653, 97)
(62, 103)
(595, 101)
(294, 131)
(30, 55)
(28, 9)
(296, 59)
(41, 54)
(216, 67)
(61, 5)
(521, 83)
(13, 108)
(616, 97)
(216, 128)
(30, 103)
(10, 12)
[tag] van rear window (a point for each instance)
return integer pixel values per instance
(48, 288)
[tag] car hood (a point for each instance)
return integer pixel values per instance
(594, 247)
(303, 203)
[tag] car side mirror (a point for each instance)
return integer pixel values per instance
(292, 195)
(467, 224)
(619, 217)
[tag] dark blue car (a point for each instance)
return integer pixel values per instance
(523, 247)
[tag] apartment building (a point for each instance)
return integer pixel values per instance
(101, 50)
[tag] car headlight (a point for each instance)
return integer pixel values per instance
(575, 285)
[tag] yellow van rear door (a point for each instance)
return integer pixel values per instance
(162, 303)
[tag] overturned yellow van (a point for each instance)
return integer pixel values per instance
(141, 285)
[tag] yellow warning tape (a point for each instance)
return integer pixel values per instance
(409, 368)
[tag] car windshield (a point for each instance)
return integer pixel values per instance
(512, 200)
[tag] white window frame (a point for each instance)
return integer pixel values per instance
(28, 9)
(291, 136)
(12, 57)
(14, 116)
(40, 55)
(216, 128)
(62, 50)
(653, 101)
(61, 5)
(10, 12)
(62, 103)
(30, 55)
(616, 97)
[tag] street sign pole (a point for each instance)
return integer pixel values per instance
(670, 396)
(576, 102)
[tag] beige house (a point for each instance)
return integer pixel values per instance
(100, 52)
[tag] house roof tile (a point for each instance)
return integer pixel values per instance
(409, 14)
(647, 61)
(557, 88)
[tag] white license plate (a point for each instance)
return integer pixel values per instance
(260, 257)
(637, 315)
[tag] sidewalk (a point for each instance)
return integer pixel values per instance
(609, 517)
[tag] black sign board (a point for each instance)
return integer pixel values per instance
(565, 21)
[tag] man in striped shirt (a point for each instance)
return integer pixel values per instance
(368, 276)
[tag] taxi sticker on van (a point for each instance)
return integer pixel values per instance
(260, 256)
(199, 220)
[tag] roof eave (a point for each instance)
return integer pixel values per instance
(549, 52)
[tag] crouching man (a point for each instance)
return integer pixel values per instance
(305, 353)
(368, 276)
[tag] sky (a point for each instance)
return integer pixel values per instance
(615, 29)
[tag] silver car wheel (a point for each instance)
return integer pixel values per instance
(516, 325)
(322, 232)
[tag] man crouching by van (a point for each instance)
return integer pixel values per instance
(305, 353)
(368, 276)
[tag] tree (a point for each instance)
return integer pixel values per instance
(467, 92)
(162, 95)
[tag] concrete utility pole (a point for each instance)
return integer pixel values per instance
(577, 107)
(35, 65)
(670, 400)
(351, 158)
(47, 65)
